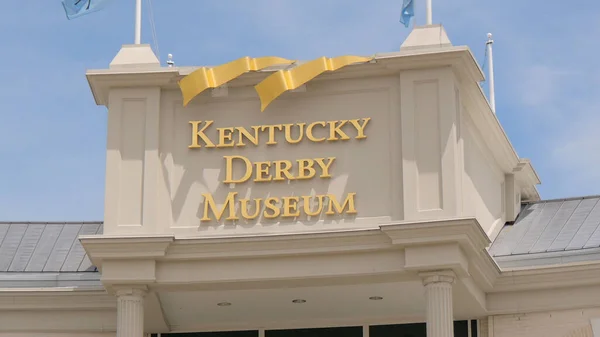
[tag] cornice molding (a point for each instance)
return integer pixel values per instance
(101, 247)
(466, 231)
(459, 58)
(572, 275)
(469, 235)
(101, 81)
(544, 300)
(56, 299)
(279, 245)
(528, 178)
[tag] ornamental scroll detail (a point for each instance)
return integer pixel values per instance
(271, 87)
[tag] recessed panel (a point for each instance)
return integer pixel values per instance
(315, 160)
(428, 146)
(132, 149)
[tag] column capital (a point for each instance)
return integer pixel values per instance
(438, 276)
(138, 291)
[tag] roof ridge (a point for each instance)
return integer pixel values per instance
(579, 251)
(562, 199)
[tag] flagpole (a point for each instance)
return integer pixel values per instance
(414, 17)
(138, 21)
(491, 72)
(429, 14)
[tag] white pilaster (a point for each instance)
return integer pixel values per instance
(438, 296)
(130, 312)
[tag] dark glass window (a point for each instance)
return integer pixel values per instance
(399, 330)
(461, 328)
(353, 331)
(474, 329)
(253, 333)
(395, 330)
(414, 330)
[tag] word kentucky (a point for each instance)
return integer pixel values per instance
(240, 136)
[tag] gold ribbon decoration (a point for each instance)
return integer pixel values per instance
(204, 78)
(283, 80)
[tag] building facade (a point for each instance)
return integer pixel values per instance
(353, 196)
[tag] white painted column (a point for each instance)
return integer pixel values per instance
(130, 312)
(438, 297)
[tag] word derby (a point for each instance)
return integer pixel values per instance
(278, 170)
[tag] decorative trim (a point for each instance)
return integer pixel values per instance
(99, 247)
(529, 278)
(284, 80)
(56, 299)
(438, 276)
(204, 78)
(278, 244)
(551, 299)
(134, 291)
(102, 81)
(466, 231)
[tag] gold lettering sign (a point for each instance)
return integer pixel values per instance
(292, 207)
(206, 135)
(273, 134)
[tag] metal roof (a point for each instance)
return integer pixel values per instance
(45, 247)
(550, 232)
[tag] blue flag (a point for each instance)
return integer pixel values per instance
(408, 11)
(77, 8)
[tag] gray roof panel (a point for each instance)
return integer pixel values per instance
(567, 235)
(554, 227)
(594, 219)
(26, 247)
(10, 244)
(45, 247)
(515, 234)
(77, 253)
(589, 225)
(62, 247)
(3, 231)
(536, 228)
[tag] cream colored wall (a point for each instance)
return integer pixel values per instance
(361, 166)
(66, 322)
(409, 167)
(431, 162)
(564, 323)
(483, 181)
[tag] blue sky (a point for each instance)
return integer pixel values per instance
(52, 135)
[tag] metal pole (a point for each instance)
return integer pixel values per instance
(414, 19)
(491, 72)
(429, 14)
(138, 21)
